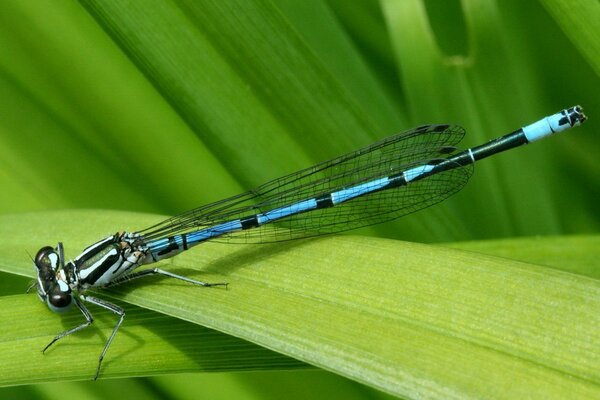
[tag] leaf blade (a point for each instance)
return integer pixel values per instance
(346, 304)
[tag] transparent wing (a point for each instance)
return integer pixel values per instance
(419, 146)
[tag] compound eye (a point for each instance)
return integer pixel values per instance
(59, 301)
(47, 259)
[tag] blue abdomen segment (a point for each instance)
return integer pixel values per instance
(173, 245)
(359, 190)
(286, 211)
(380, 182)
(555, 123)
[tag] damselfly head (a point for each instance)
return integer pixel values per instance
(52, 287)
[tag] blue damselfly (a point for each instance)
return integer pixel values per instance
(386, 180)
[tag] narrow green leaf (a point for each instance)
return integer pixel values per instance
(241, 52)
(409, 319)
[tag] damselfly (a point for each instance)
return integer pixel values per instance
(386, 180)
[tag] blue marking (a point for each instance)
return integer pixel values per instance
(358, 190)
(542, 128)
(555, 123)
(213, 231)
(286, 211)
(414, 173)
(158, 245)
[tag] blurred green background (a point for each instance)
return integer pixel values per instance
(163, 105)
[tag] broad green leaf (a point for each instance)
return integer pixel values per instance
(82, 124)
(249, 54)
(405, 318)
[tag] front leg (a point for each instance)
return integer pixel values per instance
(111, 307)
(88, 321)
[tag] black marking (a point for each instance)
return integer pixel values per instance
(99, 247)
(396, 180)
(503, 143)
(101, 268)
(324, 201)
(446, 150)
(469, 156)
(184, 243)
(172, 246)
(564, 120)
(439, 128)
(249, 222)
(577, 115)
(421, 128)
(123, 260)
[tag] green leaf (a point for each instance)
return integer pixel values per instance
(580, 20)
(398, 316)
(576, 254)
(148, 344)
